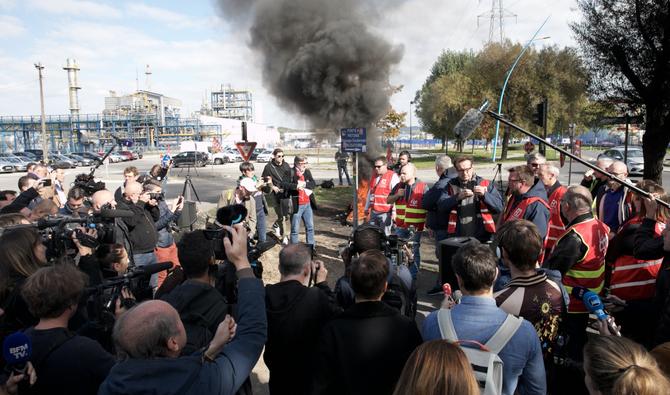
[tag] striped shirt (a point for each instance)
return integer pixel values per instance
(538, 300)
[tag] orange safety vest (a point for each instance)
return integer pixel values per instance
(635, 279)
(556, 227)
(380, 191)
(410, 213)
(589, 271)
(487, 218)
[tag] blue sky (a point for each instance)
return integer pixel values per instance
(191, 50)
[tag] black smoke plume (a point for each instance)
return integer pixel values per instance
(319, 57)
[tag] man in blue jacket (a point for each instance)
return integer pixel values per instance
(150, 337)
(528, 200)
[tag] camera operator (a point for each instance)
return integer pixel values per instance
(141, 230)
(242, 195)
(76, 198)
(365, 238)
(151, 336)
(296, 314)
(166, 250)
(65, 362)
(201, 307)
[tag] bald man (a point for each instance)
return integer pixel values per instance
(594, 181)
(103, 198)
(614, 201)
(407, 196)
(579, 254)
(141, 230)
(150, 337)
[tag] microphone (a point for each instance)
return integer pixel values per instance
(470, 121)
(591, 300)
(231, 215)
(17, 350)
(151, 268)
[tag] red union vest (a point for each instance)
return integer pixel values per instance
(410, 213)
(487, 218)
(380, 191)
(635, 279)
(556, 227)
(589, 271)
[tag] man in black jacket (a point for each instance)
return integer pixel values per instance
(300, 189)
(296, 315)
(364, 350)
(142, 232)
(278, 172)
(200, 306)
(66, 363)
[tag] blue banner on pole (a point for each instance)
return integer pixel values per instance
(353, 139)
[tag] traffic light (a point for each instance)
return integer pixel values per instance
(540, 115)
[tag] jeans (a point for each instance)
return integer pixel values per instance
(147, 259)
(383, 220)
(343, 169)
(416, 249)
(304, 213)
(261, 225)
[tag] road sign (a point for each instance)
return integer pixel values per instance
(353, 139)
(246, 148)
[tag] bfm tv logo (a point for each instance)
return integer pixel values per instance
(19, 352)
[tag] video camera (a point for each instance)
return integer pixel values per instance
(88, 184)
(57, 231)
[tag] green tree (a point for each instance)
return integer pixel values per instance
(626, 47)
(392, 123)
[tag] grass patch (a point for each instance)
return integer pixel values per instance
(336, 198)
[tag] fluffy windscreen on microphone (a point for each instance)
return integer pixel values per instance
(467, 125)
(231, 215)
(17, 349)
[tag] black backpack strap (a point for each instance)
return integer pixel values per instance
(37, 363)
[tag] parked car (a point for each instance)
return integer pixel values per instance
(6, 166)
(635, 159)
(264, 156)
(126, 155)
(80, 159)
(190, 158)
(63, 161)
(27, 156)
(19, 164)
(89, 155)
(226, 156)
(115, 158)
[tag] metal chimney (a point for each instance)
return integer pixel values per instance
(147, 72)
(72, 70)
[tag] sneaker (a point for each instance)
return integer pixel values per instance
(275, 228)
(285, 241)
(436, 290)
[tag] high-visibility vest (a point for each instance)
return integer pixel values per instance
(635, 279)
(410, 213)
(589, 271)
(380, 191)
(487, 217)
(556, 227)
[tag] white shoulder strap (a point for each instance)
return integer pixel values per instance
(446, 325)
(503, 335)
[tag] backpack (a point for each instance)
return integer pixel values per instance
(485, 362)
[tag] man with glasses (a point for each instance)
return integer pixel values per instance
(614, 202)
(381, 183)
(534, 162)
(528, 200)
(549, 176)
(278, 172)
(471, 203)
(301, 187)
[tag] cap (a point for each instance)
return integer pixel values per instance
(248, 184)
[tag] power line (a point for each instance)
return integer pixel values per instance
(496, 16)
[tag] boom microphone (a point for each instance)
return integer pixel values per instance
(470, 121)
(151, 268)
(17, 350)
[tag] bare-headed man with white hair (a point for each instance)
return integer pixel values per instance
(407, 197)
(614, 202)
(549, 176)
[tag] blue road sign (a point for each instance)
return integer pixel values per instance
(353, 139)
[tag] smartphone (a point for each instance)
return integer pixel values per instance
(589, 173)
(46, 182)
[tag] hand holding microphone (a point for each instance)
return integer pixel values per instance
(594, 305)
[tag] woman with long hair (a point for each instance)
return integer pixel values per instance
(437, 367)
(618, 366)
(22, 253)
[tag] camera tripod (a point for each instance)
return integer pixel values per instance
(498, 174)
(189, 187)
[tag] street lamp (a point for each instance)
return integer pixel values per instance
(509, 74)
(410, 123)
